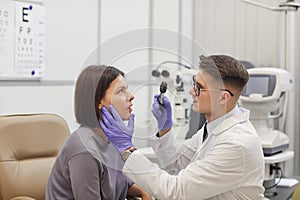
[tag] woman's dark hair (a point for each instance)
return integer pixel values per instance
(90, 88)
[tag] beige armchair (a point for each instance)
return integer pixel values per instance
(296, 195)
(28, 148)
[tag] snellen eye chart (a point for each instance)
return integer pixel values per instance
(22, 40)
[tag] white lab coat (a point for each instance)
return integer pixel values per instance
(228, 165)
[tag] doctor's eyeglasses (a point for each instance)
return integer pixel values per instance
(197, 88)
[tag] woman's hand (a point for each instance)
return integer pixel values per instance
(134, 191)
(146, 196)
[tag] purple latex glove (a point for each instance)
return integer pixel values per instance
(115, 129)
(162, 113)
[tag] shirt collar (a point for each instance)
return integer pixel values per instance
(213, 124)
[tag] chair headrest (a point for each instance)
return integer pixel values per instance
(31, 135)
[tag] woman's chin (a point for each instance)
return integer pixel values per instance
(125, 117)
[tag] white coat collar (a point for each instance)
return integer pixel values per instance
(237, 115)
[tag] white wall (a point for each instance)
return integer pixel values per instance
(71, 34)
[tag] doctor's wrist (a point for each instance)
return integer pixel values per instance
(126, 153)
(162, 132)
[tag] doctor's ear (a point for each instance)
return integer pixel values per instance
(224, 98)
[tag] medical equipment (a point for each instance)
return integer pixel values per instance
(287, 58)
(162, 89)
(178, 76)
(266, 96)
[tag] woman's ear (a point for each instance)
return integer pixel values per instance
(99, 111)
(103, 105)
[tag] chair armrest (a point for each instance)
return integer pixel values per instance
(22, 198)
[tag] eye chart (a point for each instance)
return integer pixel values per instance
(22, 45)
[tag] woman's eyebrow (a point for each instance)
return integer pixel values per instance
(122, 87)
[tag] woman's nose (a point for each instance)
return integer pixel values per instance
(130, 96)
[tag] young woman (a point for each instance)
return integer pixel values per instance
(88, 166)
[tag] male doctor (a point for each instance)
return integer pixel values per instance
(223, 160)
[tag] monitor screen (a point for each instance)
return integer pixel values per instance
(260, 84)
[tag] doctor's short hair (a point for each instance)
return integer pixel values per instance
(226, 68)
(90, 88)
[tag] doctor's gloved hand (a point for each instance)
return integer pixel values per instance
(162, 113)
(115, 129)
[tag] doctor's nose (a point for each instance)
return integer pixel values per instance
(192, 91)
